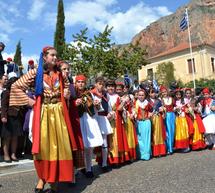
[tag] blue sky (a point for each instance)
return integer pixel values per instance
(33, 21)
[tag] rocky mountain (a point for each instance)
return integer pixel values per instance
(165, 33)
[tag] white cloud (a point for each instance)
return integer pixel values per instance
(105, 2)
(36, 9)
(129, 23)
(10, 8)
(98, 13)
(7, 25)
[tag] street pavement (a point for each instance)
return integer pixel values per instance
(192, 172)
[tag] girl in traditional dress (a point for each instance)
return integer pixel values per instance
(129, 125)
(115, 156)
(143, 112)
(168, 104)
(158, 126)
(208, 113)
(53, 139)
(197, 128)
(181, 129)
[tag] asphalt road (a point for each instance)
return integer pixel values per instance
(179, 173)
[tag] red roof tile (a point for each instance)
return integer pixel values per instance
(180, 47)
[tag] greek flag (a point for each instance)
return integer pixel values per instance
(184, 22)
(155, 85)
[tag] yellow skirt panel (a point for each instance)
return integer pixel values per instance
(129, 129)
(181, 130)
(54, 136)
(197, 136)
(157, 135)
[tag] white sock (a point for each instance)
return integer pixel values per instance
(88, 155)
(104, 151)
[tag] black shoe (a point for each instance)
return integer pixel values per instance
(210, 147)
(15, 160)
(38, 190)
(106, 169)
(89, 174)
(83, 171)
(51, 191)
(8, 161)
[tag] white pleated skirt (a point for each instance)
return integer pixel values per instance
(104, 125)
(90, 130)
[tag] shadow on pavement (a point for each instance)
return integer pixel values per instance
(81, 182)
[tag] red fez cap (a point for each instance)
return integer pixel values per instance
(30, 62)
(9, 59)
(206, 91)
(45, 49)
(163, 88)
(80, 77)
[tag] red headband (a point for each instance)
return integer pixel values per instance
(120, 83)
(178, 90)
(186, 89)
(163, 88)
(45, 49)
(206, 91)
(80, 77)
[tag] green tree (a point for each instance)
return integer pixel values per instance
(100, 56)
(105, 56)
(18, 57)
(165, 73)
(202, 83)
(78, 54)
(59, 40)
(133, 58)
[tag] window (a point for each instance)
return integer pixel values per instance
(212, 65)
(190, 69)
(150, 73)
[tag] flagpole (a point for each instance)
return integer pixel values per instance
(191, 51)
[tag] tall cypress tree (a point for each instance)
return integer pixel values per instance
(59, 41)
(18, 57)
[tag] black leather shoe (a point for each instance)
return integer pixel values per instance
(89, 174)
(106, 169)
(38, 190)
(14, 160)
(51, 191)
(8, 161)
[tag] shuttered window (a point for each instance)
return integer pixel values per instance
(189, 63)
(212, 65)
(150, 73)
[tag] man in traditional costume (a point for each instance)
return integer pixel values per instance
(102, 112)
(90, 131)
